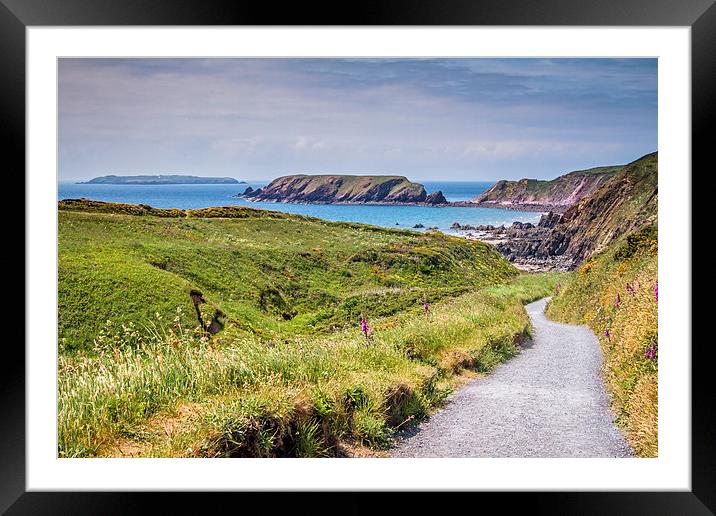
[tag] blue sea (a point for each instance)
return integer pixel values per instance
(202, 196)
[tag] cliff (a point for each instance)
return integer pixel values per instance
(555, 195)
(343, 189)
(172, 179)
(625, 202)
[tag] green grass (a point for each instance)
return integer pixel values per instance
(272, 274)
(291, 374)
(588, 297)
(296, 397)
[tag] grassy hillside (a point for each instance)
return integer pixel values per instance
(626, 327)
(351, 185)
(271, 274)
(290, 373)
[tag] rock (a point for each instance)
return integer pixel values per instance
(549, 220)
(464, 227)
(248, 191)
(417, 226)
(436, 198)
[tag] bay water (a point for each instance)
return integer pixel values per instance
(203, 196)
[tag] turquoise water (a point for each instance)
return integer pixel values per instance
(202, 196)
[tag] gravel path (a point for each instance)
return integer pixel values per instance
(548, 401)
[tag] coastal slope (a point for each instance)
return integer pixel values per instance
(555, 195)
(344, 189)
(625, 202)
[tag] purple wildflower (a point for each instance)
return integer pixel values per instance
(629, 289)
(617, 301)
(426, 306)
(556, 288)
(656, 291)
(367, 330)
(653, 350)
(606, 333)
(638, 283)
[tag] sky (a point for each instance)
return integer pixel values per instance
(427, 119)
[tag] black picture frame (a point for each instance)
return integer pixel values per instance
(17, 15)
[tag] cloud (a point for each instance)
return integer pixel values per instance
(259, 118)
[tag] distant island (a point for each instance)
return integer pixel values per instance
(172, 179)
(344, 189)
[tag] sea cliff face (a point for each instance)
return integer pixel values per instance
(344, 189)
(555, 195)
(625, 202)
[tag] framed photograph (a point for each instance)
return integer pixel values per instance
(420, 248)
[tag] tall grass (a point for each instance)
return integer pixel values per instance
(168, 390)
(589, 297)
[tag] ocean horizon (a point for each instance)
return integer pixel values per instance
(188, 196)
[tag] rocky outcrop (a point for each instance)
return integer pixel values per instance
(555, 195)
(343, 189)
(624, 203)
(549, 220)
(436, 198)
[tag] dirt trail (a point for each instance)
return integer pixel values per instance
(548, 401)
